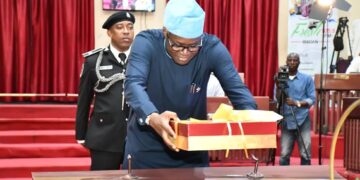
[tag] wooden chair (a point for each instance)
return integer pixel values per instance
(214, 102)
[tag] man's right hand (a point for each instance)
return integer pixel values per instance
(160, 123)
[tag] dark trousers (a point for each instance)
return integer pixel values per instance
(288, 139)
(102, 160)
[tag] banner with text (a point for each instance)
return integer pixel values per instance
(305, 37)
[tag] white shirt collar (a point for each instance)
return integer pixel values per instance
(292, 77)
(116, 53)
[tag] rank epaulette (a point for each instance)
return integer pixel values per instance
(89, 53)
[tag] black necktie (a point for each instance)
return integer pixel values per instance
(122, 57)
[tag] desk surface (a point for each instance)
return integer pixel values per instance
(270, 172)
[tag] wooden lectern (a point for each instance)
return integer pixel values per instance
(334, 88)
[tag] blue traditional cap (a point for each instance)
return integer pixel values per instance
(184, 18)
(118, 17)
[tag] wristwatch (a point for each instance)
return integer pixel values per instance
(298, 104)
(147, 120)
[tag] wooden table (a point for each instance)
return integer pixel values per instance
(270, 172)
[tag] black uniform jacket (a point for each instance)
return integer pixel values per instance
(106, 128)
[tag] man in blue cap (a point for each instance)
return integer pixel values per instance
(103, 76)
(167, 78)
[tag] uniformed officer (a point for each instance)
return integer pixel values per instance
(103, 75)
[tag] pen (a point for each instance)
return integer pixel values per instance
(192, 87)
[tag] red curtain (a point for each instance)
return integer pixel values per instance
(41, 42)
(248, 28)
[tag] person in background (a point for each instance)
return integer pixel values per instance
(354, 66)
(214, 87)
(113, 4)
(355, 37)
(167, 78)
(298, 97)
(103, 75)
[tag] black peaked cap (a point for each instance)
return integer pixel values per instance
(118, 17)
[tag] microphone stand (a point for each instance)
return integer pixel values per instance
(321, 118)
(284, 95)
(279, 109)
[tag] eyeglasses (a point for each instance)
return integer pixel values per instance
(177, 47)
